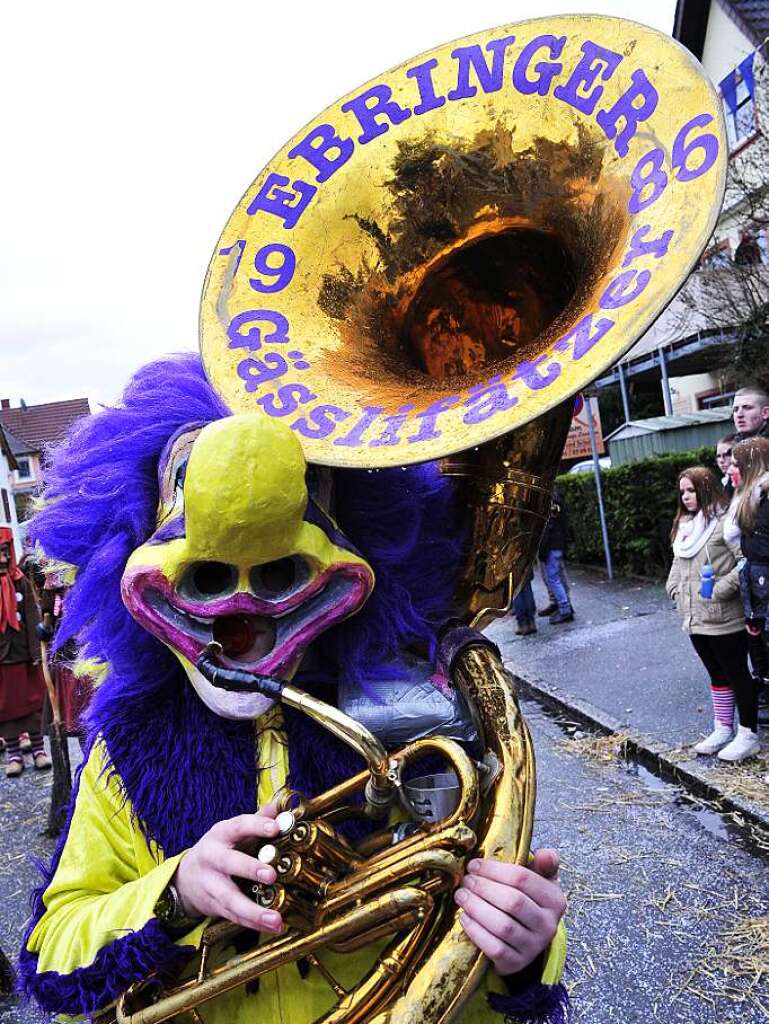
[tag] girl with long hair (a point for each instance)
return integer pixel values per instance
(750, 475)
(715, 624)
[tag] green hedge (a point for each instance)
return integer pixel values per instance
(640, 503)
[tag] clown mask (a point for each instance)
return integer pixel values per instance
(241, 556)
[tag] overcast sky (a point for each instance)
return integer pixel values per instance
(130, 131)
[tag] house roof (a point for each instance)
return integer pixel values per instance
(657, 424)
(5, 449)
(41, 425)
(753, 16)
(17, 446)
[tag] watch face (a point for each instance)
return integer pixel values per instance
(165, 906)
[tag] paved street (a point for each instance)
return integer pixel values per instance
(624, 653)
(664, 903)
(626, 664)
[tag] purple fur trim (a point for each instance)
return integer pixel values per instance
(405, 524)
(455, 641)
(124, 961)
(182, 767)
(536, 1004)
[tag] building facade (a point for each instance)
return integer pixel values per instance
(29, 431)
(8, 468)
(683, 349)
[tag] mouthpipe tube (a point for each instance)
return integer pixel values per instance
(235, 679)
(380, 789)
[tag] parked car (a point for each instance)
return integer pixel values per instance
(586, 466)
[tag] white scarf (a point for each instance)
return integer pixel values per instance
(693, 534)
(731, 526)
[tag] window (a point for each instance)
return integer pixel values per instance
(24, 469)
(6, 505)
(739, 108)
(714, 400)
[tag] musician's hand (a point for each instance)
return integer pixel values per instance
(204, 876)
(512, 913)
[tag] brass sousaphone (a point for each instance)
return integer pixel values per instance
(431, 269)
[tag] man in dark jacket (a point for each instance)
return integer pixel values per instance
(552, 550)
(750, 410)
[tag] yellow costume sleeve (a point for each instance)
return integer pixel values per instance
(95, 927)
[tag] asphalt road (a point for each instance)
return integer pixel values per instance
(664, 901)
(625, 654)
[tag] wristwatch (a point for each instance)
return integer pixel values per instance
(169, 910)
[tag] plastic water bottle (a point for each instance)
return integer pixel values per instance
(707, 579)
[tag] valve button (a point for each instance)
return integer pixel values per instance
(286, 821)
(267, 854)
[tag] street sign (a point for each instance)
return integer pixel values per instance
(578, 440)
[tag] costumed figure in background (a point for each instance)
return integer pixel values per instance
(71, 680)
(22, 687)
(285, 553)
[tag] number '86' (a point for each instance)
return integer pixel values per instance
(689, 158)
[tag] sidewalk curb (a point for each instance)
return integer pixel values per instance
(652, 756)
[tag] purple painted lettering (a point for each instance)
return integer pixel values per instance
(682, 149)
(393, 426)
(544, 71)
(374, 103)
(639, 246)
(535, 379)
(240, 246)
(256, 372)
(427, 431)
(272, 198)
(486, 400)
(354, 439)
(316, 146)
(580, 91)
(282, 273)
(324, 419)
(624, 288)
(647, 172)
(253, 337)
(286, 399)
(626, 109)
(422, 75)
(471, 58)
(581, 337)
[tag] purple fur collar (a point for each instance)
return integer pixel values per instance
(535, 1004)
(183, 768)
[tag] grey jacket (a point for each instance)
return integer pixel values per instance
(723, 612)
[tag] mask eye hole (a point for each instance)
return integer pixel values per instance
(275, 579)
(206, 580)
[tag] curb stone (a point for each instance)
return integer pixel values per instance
(653, 756)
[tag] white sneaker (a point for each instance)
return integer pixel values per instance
(745, 744)
(717, 739)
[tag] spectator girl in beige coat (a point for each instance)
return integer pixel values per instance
(716, 625)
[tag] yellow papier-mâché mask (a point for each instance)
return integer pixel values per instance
(242, 557)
